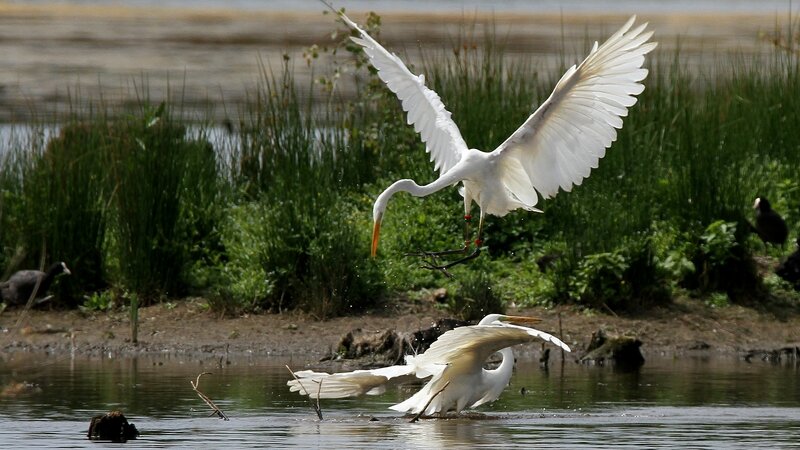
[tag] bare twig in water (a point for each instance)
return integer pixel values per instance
(196, 387)
(319, 389)
(419, 414)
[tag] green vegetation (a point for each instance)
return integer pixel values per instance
(276, 213)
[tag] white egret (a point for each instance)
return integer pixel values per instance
(556, 147)
(454, 362)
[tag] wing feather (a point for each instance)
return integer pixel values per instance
(423, 106)
(475, 341)
(346, 384)
(566, 136)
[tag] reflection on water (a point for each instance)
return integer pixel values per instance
(666, 403)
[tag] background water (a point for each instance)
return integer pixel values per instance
(60, 56)
(532, 6)
(667, 403)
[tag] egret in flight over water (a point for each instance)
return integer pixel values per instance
(454, 364)
(556, 147)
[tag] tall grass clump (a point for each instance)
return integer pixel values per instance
(126, 199)
(54, 200)
(66, 194)
(12, 166)
(294, 240)
(163, 183)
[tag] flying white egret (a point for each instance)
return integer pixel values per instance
(455, 363)
(556, 147)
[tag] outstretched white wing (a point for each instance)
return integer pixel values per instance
(475, 342)
(424, 107)
(565, 138)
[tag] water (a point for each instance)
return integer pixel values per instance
(668, 403)
(73, 55)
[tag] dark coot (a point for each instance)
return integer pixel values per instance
(17, 290)
(770, 226)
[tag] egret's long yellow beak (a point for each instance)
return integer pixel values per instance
(520, 320)
(376, 232)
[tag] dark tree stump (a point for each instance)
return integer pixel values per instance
(390, 347)
(113, 427)
(623, 351)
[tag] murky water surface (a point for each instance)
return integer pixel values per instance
(667, 403)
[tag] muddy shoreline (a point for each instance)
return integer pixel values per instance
(186, 328)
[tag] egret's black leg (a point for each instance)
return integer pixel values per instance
(434, 265)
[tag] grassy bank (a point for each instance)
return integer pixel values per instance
(274, 212)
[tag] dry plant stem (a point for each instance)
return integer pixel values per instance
(561, 335)
(216, 410)
(29, 304)
(609, 310)
(419, 414)
(319, 389)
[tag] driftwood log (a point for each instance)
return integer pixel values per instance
(390, 347)
(789, 353)
(622, 350)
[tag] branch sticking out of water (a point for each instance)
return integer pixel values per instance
(319, 389)
(419, 414)
(196, 387)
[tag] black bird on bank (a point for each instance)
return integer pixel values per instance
(19, 287)
(770, 226)
(789, 270)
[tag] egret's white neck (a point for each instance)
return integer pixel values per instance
(502, 374)
(410, 186)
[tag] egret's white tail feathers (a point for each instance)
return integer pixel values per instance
(345, 384)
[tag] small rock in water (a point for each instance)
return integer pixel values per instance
(112, 426)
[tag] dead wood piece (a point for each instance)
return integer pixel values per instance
(623, 351)
(775, 356)
(112, 426)
(422, 411)
(422, 339)
(390, 347)
(386, 345)
(215, 410)
(316, 407)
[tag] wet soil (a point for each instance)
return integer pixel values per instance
(688, 326)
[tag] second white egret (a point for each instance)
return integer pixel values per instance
(454, 363)
(556, 147)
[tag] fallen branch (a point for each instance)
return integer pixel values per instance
(319, 389)
(196, 387)
(419, 414)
